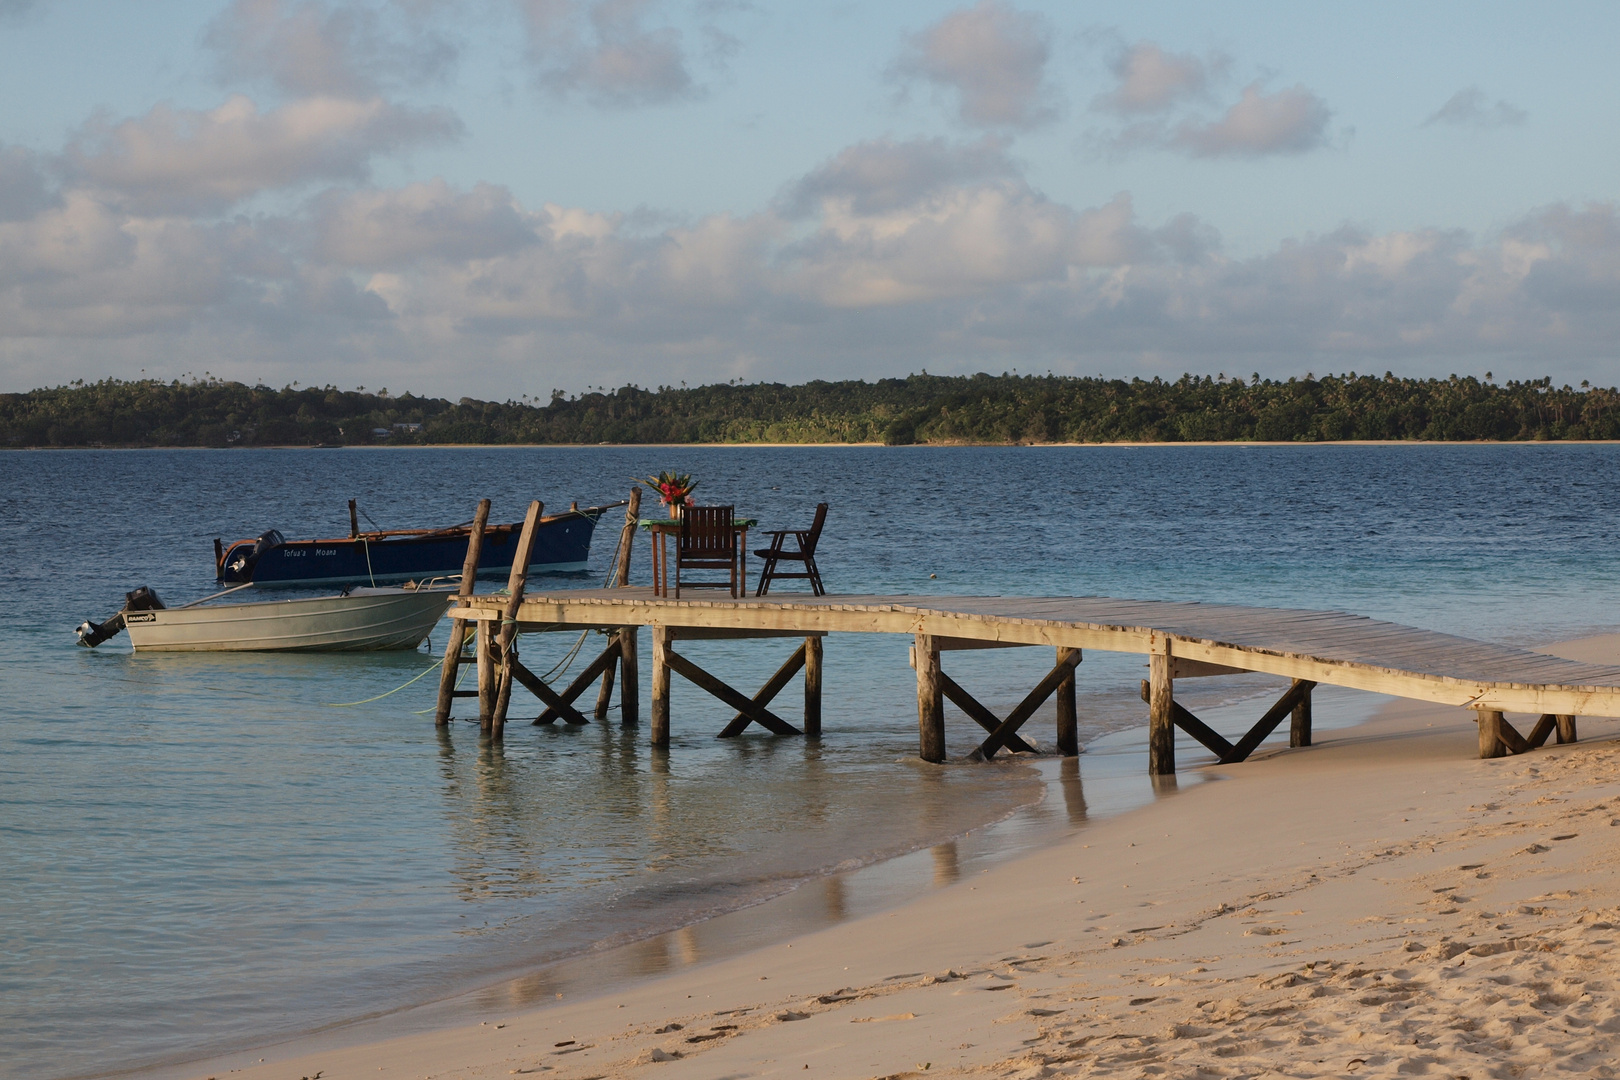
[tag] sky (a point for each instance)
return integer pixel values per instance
(500, 198)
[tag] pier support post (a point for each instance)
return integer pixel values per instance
(1161, 713)
(1491, 744)
(604, 696)
(487, 675)
(1566, 729)
(458, 627)
(1068, 723)
(660, 685)
(629, 677)
(812, 686)
(930, 700)
(1299, 728)
(506, 640)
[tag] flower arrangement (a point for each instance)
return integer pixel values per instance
(675, 489)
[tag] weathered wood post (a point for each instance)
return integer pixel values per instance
(1566, 729)
(1490, 733)
(604, 696)
(1068, 719)
(629, 676)
(812, 686)
(506, 640)
(458, 627)
(1161, 699)
(354, 519)
(660, 685)
(488, 674)
(629, 691)
(930, 699)
(1299, 727)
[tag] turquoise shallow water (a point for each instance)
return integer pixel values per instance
(202, 852)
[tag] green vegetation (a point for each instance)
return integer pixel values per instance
(917, 409)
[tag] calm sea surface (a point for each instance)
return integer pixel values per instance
(201, 852)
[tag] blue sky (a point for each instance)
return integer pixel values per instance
(501, 197)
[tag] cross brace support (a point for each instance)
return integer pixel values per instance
(746, 706)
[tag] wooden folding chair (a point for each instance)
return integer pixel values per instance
(806, 540)
(708, 541)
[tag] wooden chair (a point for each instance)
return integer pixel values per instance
(806, 540)
(708, 542)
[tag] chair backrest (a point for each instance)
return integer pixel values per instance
(815, 529)
(707, 531)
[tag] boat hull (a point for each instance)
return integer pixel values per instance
(366, 620)
(562, 545)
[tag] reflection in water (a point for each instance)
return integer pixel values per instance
(1074, 795)
(946, 870)
(1164, 785)
(523, 992)
(650, 957)
(832, 894)
(686, 939)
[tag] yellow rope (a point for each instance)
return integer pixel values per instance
(345, 704)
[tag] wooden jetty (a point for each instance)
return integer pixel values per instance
(1181, 641)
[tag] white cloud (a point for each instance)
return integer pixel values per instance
(430, 221)
(23, 188)
(993, 58)
(886, 258)
(179, 160)
(1151, 80)
(607, 51)
(885, 174)
(312, 47)
(1469, 107)
(1290, 121)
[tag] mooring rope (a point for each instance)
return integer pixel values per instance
(345, 704)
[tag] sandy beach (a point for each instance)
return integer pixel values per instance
(1382, 904)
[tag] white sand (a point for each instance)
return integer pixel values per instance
(1383, 904)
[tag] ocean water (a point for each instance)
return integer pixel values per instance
(208, 852)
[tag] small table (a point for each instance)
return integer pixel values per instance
(662, 528)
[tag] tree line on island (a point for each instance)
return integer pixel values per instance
(942, 409)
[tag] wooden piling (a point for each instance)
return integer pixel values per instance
(506, 640)
(604, 696)
(1490, 734)
(812, 686)
(458, 627)
(1566, 729)
(488, 674)
(629, 689)
(660, 685)
(1299, 728)
(1161, 718)
(629, 677)
(354, 519)
(627, 540)
(1068, 719)
(930, 700)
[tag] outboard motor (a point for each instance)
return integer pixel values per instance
(142, 599)
(238, 564)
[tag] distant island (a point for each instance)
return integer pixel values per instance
(935, 409)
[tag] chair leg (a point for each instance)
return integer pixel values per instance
(765, 573)
(815, 575)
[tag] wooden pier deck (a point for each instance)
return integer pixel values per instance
(1181, 640)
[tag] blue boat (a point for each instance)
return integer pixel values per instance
(562, 544)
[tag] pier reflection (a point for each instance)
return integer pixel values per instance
(1074, 794)
(947, 868)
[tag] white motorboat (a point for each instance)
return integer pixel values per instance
(361, 619)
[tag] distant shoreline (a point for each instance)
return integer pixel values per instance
(842, 445)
